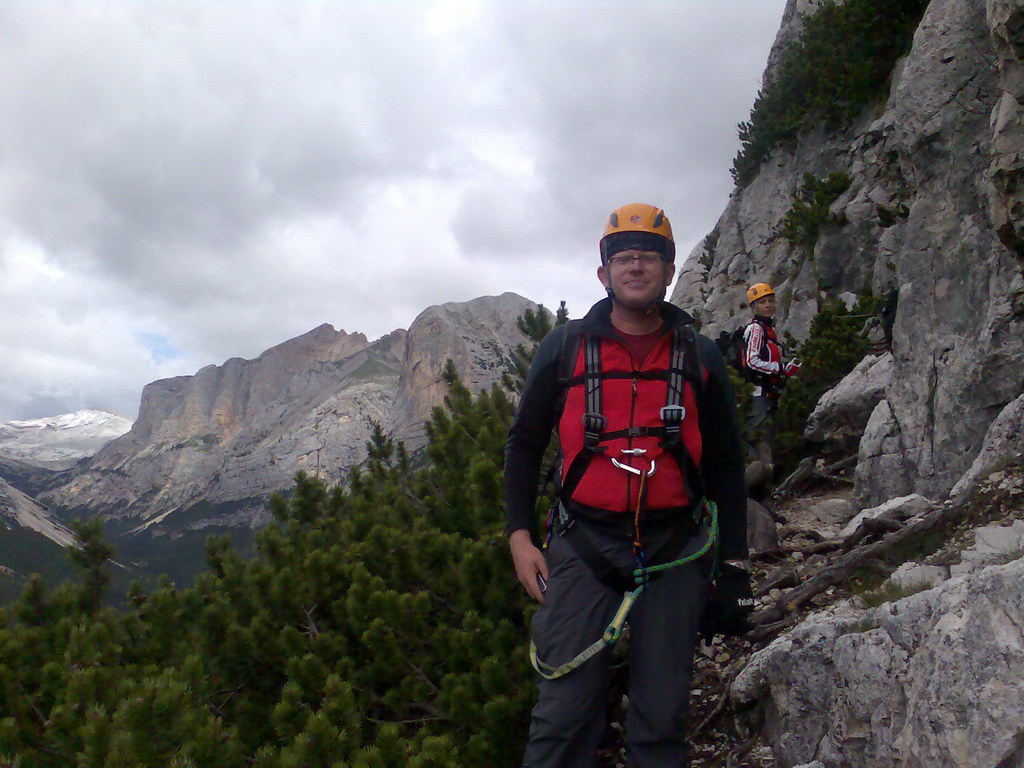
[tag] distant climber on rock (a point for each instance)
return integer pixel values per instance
(650, 467)
(764, 365)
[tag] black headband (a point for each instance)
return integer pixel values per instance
(637, 241)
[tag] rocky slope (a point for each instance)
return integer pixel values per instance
(933, 211)
(890, 628)
(58, 442)
(17, 510)
(231, 434)
(924, 670)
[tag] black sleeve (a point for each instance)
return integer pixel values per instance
(530, 433)
(722, 454)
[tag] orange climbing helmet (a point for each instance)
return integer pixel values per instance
(638, 226)
(758, 291)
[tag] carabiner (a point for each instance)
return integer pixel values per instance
(634, 470)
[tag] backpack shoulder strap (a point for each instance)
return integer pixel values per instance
(684, 367)
(569, 351)
(593, 419)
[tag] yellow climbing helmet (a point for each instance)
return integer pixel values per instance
(638, 226)
(758, 291)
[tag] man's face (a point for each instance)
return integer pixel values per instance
(765, 306)
(636, 277)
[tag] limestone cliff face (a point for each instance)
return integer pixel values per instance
(236, 432)
(477, 336)
(933, 211)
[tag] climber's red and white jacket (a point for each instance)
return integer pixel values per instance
(762, 355)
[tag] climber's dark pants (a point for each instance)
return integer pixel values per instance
(759, 426)
(569, 718)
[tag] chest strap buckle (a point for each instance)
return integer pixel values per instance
(672, 414)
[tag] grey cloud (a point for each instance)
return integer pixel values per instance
(227, 175)
(635, 106)
(155, 142)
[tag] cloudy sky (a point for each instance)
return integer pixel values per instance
(184, 181)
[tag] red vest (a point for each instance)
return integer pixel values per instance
(630, 398)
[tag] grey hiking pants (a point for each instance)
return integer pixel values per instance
(759, 425)
(568, 720)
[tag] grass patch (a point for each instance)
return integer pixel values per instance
(890, 592)
(920, 548)
(1010, 556)
(862, 625)
(868, 578)
(373, 369)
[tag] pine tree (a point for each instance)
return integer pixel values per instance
(377, 625)
(91, 556)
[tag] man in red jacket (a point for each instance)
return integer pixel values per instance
(648, 437)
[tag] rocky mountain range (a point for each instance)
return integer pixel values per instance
(229, 435)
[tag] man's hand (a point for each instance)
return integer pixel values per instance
(730, 603)
(792, 369)
(529, 563)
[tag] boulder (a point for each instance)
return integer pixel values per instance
(935, 679)
(900, 508)
(842, 413)
(831, 511)
(911, 575)
(992, 544)
(882, 469)
(1003, 440)
(762, 536)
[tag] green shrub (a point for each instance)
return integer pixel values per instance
(809, 211)
(841, 61)
(378, 626)
(834, 346)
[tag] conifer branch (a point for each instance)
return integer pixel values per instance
(312, 631)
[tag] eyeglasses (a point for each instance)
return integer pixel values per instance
(626, 260)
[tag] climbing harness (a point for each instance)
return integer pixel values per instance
(684, 366)
(613, 632)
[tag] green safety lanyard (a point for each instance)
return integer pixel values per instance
(614, 630)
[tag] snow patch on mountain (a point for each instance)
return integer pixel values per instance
(57, 442)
